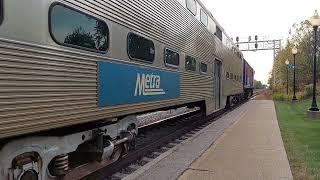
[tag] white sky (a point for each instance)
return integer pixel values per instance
(271, 18)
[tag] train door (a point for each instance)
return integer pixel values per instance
(217, 83)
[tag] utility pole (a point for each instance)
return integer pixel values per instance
(265, 45)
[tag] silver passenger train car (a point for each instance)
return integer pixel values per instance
(75, 73)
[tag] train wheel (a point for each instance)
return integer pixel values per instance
(132, 144)
(117, 153)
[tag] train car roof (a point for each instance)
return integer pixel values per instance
(208, 12)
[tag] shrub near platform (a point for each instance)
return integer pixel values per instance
(280, 97)
(304, 94)
(301, 138)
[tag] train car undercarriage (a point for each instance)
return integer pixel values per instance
(55, 157)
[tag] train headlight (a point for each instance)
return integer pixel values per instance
(29, 175)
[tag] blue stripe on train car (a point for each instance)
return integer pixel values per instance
(120, 84)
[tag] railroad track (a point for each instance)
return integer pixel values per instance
(257, 93)
(157, 138)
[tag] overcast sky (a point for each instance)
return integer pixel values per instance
(272, 18)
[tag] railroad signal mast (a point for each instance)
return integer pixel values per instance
(260, 45)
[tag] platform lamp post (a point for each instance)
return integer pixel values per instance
(294, 53)
(315, 22)
(287, 67)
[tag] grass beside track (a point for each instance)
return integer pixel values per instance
(301, 138)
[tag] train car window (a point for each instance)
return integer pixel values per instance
(172, 58)
(204, 68)
(140, 48)
(70, 27)
(219, 33)
(1, 11)
(204, 17)
(192, 6)
(227, 75)
(191, 63)
(231, 76)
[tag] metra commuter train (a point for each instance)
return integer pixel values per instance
(76, 73)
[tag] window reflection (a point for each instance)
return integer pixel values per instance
(140, 48)
(1, 11)
(70, 27)
(172, 58)
(204, 68)
(192, 6)
(191, 63)
(204, 17)
(219, 33)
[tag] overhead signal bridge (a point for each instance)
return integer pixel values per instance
(260, 45)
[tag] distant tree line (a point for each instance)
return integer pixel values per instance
(259, 85)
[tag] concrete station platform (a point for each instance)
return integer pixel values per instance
(250, 149)
(245, 144)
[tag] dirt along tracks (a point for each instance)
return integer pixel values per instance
(264, 96)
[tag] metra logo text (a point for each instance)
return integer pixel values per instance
(148, 85)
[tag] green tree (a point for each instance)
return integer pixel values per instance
(301, 37)
(259, 85)
(80, 38)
